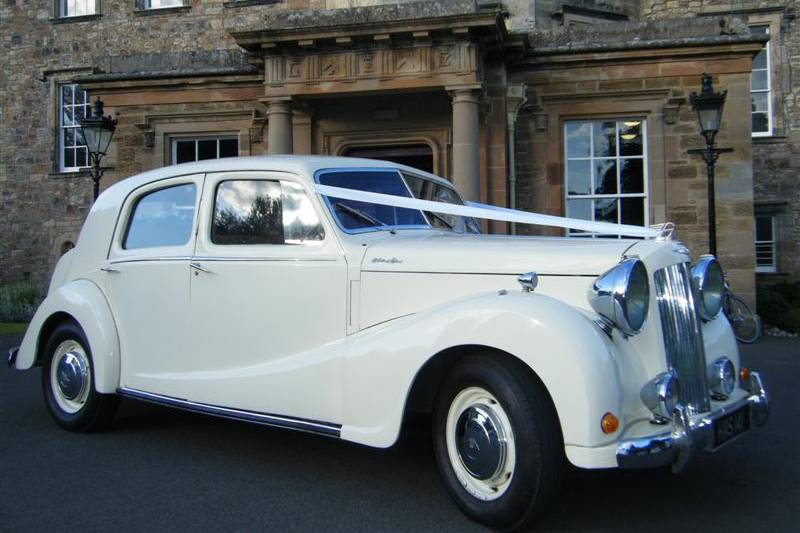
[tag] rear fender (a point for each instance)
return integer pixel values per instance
(84, 302)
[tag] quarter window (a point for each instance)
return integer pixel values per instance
(761, 88)
(605, 171)
(73, 106)
(162, 218)
(264, 212)
(76, 8)
(202, 148)
(766, 256)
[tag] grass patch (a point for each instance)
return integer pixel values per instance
(7, 328)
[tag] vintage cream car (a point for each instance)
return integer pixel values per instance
(335, 296)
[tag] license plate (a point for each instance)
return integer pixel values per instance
(731, 425)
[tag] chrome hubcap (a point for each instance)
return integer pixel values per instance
(480, 443)
(70, 376)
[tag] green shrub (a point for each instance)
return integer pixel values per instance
(18, 302)
(779, 305)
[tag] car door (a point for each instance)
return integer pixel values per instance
(268, 299)
(147, 280)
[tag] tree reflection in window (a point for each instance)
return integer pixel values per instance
(263, 212)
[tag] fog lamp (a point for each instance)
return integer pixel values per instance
(660, 395)
(721, 378)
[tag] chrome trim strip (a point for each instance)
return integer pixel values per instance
(11, 357)
(261, 259)
(676, 447)
(286, 422)
(682, 334)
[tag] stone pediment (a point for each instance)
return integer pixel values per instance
(374, 48)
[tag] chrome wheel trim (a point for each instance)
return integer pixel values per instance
(70, 376)
(485, 482)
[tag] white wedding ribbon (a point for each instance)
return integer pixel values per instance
(488, 212)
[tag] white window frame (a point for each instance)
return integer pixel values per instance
(62, 9)
(770, 245)
(62, 128)
(645, 194)
(768, 90)
(148, 4)
(175, 140)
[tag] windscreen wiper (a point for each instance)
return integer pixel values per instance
(440, 218)
(358, 213)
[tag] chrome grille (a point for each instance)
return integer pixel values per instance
(683, 337)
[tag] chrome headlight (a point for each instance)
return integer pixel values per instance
(622, 295)
(721, 378)
(709, 285)
(661, 396)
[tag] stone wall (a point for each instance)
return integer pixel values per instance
(776, 159)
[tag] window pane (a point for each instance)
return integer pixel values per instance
(759, 102)
(155, 4)
(66, 94)
(605, 176)
(162, 218)
(206, 149)
(760, 123)
(579, 209)
(300, 221)
(631, 175)
(228, 147)
(248, 212)
(382, 182)
(764, 229)
(577, 138)
(67, 116)
(579, 177)
(184, 151)
(759, 80)
(69, 157)
(69, 137)
(630, 137)
(633, 211)
(605, 139)
(605, 210)
(760, 60)
(81, 156)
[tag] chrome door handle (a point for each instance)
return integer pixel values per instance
(199, 268)
(110, 270)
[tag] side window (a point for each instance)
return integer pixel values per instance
(162, 218)
(263, 212)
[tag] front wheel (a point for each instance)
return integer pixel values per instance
(745, 323)
(497, 441)
(68, 382)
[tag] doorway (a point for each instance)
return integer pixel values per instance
(419, 156)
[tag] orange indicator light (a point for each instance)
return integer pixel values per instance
(609, 423)
(744, 374)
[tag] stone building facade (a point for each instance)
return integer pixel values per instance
(573, 107)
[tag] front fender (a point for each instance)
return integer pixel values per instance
(86, 304)
(569, 353)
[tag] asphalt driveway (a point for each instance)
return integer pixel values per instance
(166, 470)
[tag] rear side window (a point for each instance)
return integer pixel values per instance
(162, 218)
(264, 212)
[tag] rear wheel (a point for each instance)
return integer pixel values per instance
(497, 441)
(68, 382)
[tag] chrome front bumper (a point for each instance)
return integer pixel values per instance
(677, 446)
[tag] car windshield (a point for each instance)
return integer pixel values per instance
(359, 216)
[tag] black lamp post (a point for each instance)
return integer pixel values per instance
(708, 106)
(97, 132)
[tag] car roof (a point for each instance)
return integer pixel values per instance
(304, 166)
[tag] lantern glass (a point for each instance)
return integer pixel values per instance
(709, 115)
(97, 137)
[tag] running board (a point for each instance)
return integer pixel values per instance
(254, 417)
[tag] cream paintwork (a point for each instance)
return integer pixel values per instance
(350, 327)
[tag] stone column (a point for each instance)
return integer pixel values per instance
(279, 127)
(466, 138)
